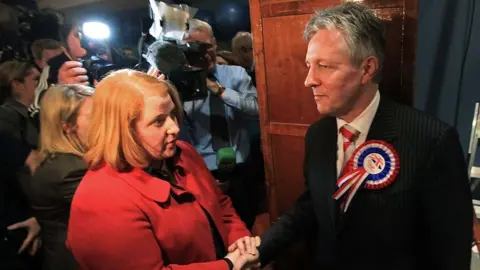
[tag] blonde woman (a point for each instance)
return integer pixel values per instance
(64, 118)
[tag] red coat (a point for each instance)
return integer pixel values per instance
(130, 221)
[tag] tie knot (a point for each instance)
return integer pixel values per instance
(349, 133)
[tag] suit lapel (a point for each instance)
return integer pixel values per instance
(327, 162)
(383, 125)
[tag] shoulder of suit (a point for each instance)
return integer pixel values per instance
(59, 166)
(416, 119)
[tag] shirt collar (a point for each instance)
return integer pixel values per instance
(363, 122)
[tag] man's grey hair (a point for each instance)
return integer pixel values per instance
(363, 32)
(242, 40)
(201, 26)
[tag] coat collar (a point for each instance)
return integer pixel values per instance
(383, 125)
(152, 187)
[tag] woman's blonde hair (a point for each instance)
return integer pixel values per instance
(59, 107)
(117, 103)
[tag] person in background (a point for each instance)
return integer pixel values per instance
(242, 48)
(45, 49)
(148, 200)
(70, 37)
(64, 118)
(19, 230)
(68, 72)
(219, 123)
(226, 58)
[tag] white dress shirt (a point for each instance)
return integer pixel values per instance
(362, 124)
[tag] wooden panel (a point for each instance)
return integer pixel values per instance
(288, 100)
(288, 184)
(391, 81)
(409, 50)
(276, 8)
(288, 129)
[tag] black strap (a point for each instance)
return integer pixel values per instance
(230, 263)
(218, 123)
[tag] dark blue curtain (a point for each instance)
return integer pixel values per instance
(448, 62)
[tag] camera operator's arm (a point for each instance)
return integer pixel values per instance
(241, 96)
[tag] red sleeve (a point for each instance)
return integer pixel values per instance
(118, 236)
(235, 226)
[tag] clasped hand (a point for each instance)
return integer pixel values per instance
(244, 253)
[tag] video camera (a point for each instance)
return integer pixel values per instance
(172, 56)
(20, 26)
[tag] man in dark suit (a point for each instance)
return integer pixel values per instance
(413, 210)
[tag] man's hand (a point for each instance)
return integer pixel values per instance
(243, 262)
(72, 72)
(214, 87)
(32, 239)
(154, 72)
(245, 245)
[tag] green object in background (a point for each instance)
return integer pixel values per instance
(226, 159)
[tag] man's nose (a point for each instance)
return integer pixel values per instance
(310, 80)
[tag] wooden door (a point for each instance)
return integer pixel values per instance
(287, 108)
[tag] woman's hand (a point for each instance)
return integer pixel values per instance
(244, 253)
(246, 244)
(245, 261)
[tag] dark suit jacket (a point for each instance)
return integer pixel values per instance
(52, 190)
(421, 221)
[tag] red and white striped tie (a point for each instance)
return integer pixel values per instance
(349, 136)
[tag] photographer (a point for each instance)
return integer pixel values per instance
(62, 68)
(218, 124)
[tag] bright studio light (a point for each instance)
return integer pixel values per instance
(96, 30)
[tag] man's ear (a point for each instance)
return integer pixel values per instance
(369, 69)
(214, 43)
(16, 86)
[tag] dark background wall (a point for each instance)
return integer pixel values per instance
(123, 16)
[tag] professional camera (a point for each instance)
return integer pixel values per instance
(20, 26)
(177, 59)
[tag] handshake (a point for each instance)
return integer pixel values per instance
(244, 253)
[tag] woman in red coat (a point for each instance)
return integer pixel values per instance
(148, 201)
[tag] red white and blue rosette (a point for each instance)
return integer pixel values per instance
(373, 165)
